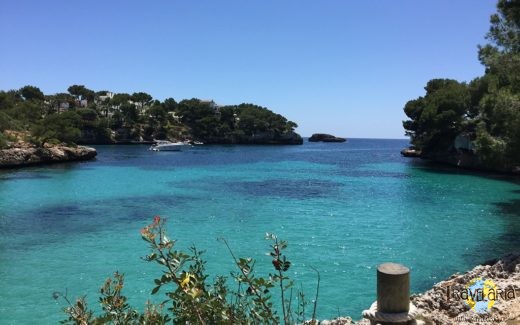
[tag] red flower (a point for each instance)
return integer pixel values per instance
(276, 264)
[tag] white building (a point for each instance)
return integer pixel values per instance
(211, 104)
(109, 95)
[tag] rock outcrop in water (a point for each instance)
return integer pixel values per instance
(411, 152)
(434, 309)
(323, 137)
(26, 154)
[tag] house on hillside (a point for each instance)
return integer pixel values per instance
(103, 98)
(175, 117)
(211, 103)
(103, 103)
(63, 106)
(141, 108)
(82, 103)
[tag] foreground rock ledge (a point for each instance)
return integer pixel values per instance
(31, 155)
(434, 309)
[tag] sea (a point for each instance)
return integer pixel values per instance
(343, 208)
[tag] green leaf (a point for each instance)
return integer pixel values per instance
(154, 291)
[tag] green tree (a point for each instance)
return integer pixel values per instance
(129, 113)
(88, 117)
(436, 119)
(116, 122)
(57, 127)
(170, 105)
(142, 98)
(6, 122)
(487, 110)
(8, 99)
(81, 92)
(193, 109)
(157, 115)
(28, 112)
(31, 92)
(505, 26)
(120, 99)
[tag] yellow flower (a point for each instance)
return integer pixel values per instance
(195, 292)
(187, 280)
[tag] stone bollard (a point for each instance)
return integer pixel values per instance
(393, 288)
(393, 304)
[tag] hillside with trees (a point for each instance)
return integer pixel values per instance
(475, 124)
(85, 116)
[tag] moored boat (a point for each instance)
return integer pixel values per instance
(164, 145)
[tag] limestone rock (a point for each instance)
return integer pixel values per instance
(26, 154)
(411, 152)
(504, 272)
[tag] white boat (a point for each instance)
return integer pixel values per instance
(164, 145)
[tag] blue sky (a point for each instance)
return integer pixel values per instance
(337, 66)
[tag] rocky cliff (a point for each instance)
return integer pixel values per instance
(137, 136)
(463, 154)
(267, 137)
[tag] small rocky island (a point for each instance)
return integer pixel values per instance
(323, 137)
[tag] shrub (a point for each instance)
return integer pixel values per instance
(56, 128)
(3, 141)
(191, 299)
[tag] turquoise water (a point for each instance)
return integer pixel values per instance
(344, 208)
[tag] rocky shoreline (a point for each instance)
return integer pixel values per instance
(132, 136)
(290, 139)
(504, 272)
(464, 159)
(28, 155)
(435, 309)
(21, 153)
(260, 138)
(411, 152)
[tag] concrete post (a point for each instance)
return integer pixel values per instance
(393, 304)
(393, 288)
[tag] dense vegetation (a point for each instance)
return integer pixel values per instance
(85, 116)
(193, 298)
(480, 118)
